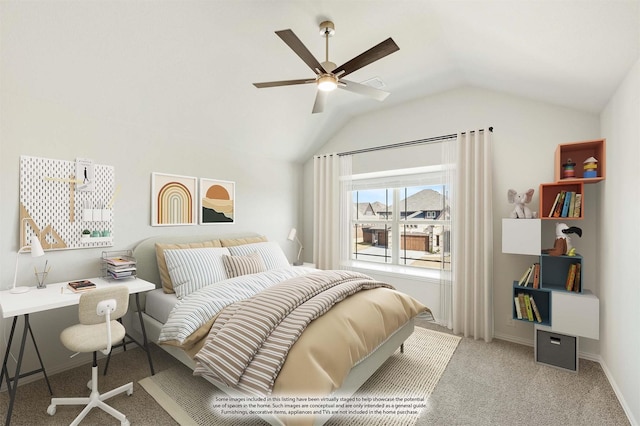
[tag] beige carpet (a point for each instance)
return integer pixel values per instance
(404, 379)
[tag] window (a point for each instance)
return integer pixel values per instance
(401, 218)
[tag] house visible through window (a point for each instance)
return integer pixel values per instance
(401, 219)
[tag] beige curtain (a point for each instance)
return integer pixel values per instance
(472, 246)
(326, 211)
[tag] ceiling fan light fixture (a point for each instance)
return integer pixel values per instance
(327, 82)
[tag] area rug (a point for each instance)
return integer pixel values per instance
(394, 395)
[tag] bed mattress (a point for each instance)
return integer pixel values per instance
(159, 304)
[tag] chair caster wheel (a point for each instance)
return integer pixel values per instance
(129, 392)
(51, 410)
(125, 422)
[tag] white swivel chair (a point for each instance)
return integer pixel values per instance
(98, 331)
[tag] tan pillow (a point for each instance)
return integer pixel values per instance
(167, 285)
(241, 241)
(243, 265)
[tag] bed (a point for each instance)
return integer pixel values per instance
(193, 341)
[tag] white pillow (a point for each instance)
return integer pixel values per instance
(271, 253)
(193, 269)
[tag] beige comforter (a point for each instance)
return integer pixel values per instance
(250, 340)
(333, 343)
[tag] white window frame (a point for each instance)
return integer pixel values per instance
(394, 180)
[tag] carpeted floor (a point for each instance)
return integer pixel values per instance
(190, 399)
(484, 384)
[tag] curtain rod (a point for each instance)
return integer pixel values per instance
(403, 144)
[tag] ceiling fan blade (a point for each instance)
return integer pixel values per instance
(363, 89)
(379, 51)
(283, 83)
(321, 100)
(296, 45)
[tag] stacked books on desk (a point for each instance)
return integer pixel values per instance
(120, 267)
(80, 286)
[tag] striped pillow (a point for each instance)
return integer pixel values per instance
(271, 253)
(243, 265)
(193, 269)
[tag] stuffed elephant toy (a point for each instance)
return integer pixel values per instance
(520, 201)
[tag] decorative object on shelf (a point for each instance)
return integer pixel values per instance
(36, 251)
(590, 166)
(562, 244)
(293, 236)
(568, 169)
(520, 200)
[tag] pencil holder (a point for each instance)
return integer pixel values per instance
(40, 277)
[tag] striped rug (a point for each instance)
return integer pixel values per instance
(393, 396)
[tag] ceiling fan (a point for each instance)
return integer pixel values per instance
(328, 75)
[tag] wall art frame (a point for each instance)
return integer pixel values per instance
(173, 199)
(217, 202)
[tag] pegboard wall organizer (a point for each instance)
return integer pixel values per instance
(60, 199)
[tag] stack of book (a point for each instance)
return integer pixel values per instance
(120, 267)
(566, 204)
(80, 286)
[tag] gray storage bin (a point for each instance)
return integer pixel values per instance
(557, 350)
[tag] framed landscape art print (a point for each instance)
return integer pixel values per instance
(173, 200)
(217, 201)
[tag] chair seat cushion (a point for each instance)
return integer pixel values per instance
(90, 338)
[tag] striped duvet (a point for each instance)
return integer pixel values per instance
(250, 340)
(191, 314)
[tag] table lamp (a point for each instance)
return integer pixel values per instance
(294, 237)
(36, 251)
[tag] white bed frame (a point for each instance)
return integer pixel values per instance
(147, 269)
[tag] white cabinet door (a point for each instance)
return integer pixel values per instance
(575, 313)
(521, 236)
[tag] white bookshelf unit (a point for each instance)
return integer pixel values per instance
(566, 315)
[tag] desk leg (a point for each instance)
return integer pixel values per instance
(13, 388)
(144, 334)
(33, 339)
(5, 371)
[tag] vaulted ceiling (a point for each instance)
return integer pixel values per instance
(190, 65)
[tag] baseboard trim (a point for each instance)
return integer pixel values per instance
(618, 393)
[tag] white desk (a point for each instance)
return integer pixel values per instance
(55, 296)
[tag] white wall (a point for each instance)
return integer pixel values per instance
(619, 232)
(524, 140)
(73, 124)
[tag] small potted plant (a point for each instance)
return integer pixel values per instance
(86, 233)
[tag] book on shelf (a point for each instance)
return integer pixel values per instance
(558, 209)
(566, 203)
(524, 279)
(534, 308)
(527, 304)
(571, 276)
(555, 203)
(536, 275)
(81, 285)
(572, 205)
(120, 261)
(578, 205)
(516, 301)
(523, 306)
(576, 282)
